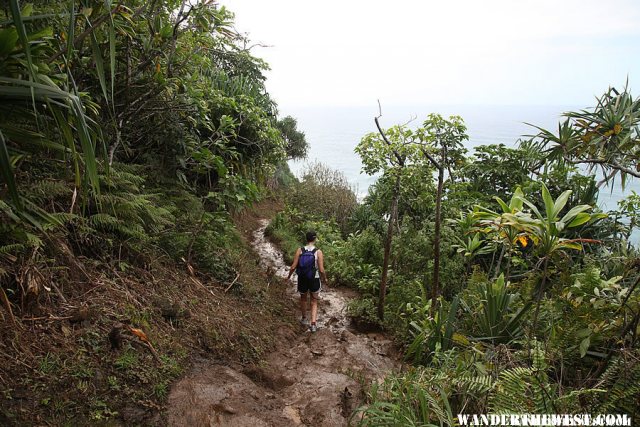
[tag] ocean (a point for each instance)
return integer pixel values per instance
(334, 132)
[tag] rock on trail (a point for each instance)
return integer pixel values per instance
(309, 380)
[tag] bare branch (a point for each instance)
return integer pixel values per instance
(432, 159)
(610, 163)
(384, 137)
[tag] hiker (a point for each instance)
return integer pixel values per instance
(308, 263)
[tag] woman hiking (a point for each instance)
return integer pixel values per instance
(308, 263)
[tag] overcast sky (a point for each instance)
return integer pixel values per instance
(512, 52)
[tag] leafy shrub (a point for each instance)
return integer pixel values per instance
(410, 399)
(357, 261)
(325, 193)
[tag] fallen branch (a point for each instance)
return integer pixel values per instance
(51, 318)
(194, 279)
(232, 283)
(198, 282)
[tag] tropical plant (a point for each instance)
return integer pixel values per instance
(325, 193)
(499, 227)
(546, 230)
(472, 247)
(499, 322)
(605, 137)
(407, 400)
(496, 169)
(395, 151)
(431, 334)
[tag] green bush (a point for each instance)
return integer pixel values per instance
(326, 194)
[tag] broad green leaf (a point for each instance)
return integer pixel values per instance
(548, 202)
(570, 245)
(8, 40)
(533, 208)
(580, 219)
(43, 33)
(27, 10)
(516, 200)
(573, 212)
(503, 205)
(584, 346)
(560, 203)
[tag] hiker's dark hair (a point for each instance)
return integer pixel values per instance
(311, 236)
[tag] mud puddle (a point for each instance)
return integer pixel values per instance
(309, 380)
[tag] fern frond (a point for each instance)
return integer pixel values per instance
(622, 380)
(12, 249)
(479, 384)
(50, 190)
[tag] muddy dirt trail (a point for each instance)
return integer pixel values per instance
(309, 380)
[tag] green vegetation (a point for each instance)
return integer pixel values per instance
(507, 287)
(131, 133)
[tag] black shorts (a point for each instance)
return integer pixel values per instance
(306, 285)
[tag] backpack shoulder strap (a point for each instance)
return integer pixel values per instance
(314, 250)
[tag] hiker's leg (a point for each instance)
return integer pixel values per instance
(314, 307)
(303, 304)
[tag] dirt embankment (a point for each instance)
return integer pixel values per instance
(310, 379)
(76, 361)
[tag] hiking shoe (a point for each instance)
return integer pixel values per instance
(304, 321)
(313, 328)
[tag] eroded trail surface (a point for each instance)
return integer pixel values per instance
(310, 380)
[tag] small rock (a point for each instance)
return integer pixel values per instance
(346, 336)
(220, 407)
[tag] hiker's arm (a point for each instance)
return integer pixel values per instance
(323, 274)
(294, 265)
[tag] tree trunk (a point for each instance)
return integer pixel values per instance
(387, 247)
(436, 243)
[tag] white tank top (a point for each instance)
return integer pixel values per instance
(310, 248)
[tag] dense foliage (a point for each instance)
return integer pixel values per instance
(537, 308)
(130, 132)
(105, 105)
